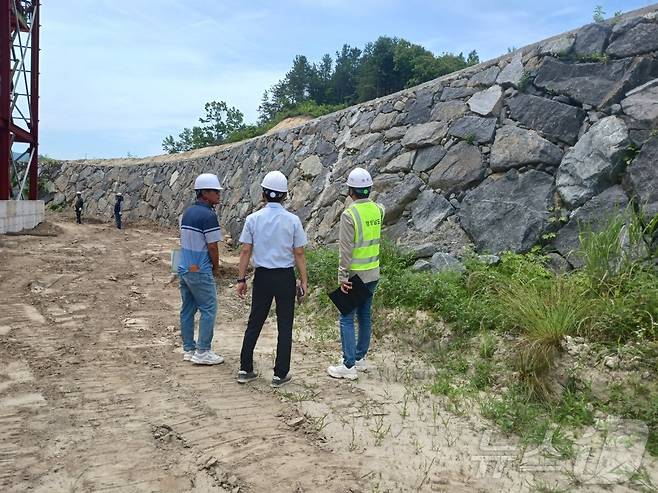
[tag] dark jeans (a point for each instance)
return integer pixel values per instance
(277, 284)
(78, 215)
(117, 219)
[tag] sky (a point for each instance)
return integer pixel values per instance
(117, 76)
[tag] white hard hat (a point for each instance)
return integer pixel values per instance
(207, 181)
(275, 181)
(78, 193)
(119, 194)
(359, 178)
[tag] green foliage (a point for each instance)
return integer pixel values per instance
(219, 122)
(322, 265)
(526, 79)
(545, 310)
(315, 89)
(617, 252)
(383, 67)
(636, 401)
(599, 14)
(611, 300)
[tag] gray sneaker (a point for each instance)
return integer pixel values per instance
(280, 382)
(206, 358)
(247, 376)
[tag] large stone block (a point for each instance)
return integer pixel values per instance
(643, 38)
(428, 157)
(642, 103)
(444, 262)
(311, 166)
(487, 102)
(591, 39)
(461, 168)
(596, 84)
(593, 216)
(555, 120)
(485, 78)
(508, 212)
(448, 111)
(400, 163)
(429, 210)
(513, 71)
(383, 121)
(594, 163)
(474, 128)
(642, 177)
(419, 112)
(399, 197)
(558, 46)
(424, 135)
(457, 93)
(516, 147)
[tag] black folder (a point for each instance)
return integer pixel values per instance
(356, 296)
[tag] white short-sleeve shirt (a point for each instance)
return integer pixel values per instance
(273, 232)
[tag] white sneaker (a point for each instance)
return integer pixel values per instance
(361, 365)
(206, 358)
(187, 355)
(341, 371)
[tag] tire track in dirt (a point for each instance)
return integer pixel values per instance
(118, 409)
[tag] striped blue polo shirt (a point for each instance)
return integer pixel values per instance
(199, 226)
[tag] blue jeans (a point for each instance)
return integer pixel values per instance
(197, 292)
(352, 349)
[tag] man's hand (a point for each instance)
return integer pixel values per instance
(345, 286)
(241, 289)
(304, 287)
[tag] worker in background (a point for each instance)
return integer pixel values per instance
(79, 203)
(117, 209)
(274, 239)
(359, 236)
(197, 270)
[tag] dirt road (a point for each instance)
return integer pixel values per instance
(94, 395)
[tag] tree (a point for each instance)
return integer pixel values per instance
(343, 81)
(473, 58)
(320, 83)
(377, 75)
(220, 121)
(383, 67)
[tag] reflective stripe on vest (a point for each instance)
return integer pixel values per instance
(367, 218)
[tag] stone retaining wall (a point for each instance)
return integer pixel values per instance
(498, 156)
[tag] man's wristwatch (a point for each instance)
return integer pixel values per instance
(244, 279)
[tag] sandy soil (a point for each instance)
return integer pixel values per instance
(94, 395)
(293, 121)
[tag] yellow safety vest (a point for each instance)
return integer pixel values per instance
(367, 217)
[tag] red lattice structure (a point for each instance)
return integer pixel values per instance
(19, 98)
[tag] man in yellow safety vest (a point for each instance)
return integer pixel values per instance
(359, 237)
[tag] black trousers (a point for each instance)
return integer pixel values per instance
(78, 216)
(277, 284)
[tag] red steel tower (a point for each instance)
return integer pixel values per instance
(19, 98)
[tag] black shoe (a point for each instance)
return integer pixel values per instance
(280, 382)
(247, 376)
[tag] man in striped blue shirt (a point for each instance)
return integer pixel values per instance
(199, 263)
